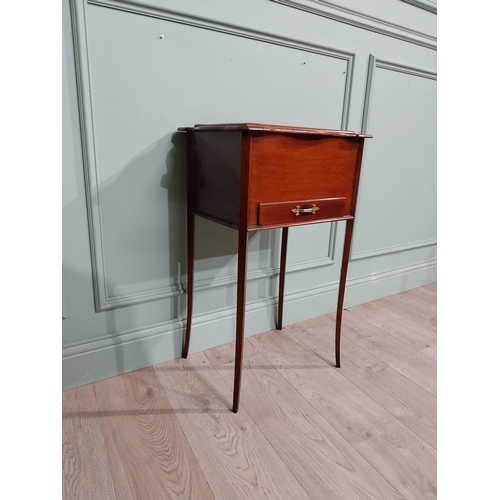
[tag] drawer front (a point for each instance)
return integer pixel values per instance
(301, 211)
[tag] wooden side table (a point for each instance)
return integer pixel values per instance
(252, 176)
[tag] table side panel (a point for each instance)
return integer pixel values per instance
(215, 176)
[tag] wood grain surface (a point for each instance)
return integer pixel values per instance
(149, 456)
(409, 403)
(355, 415)
(371, 429)
(86, 471)
(271, 128)
(407, 461)
(413, 334)
(431, 352)
(305, 429)
(327, 465)
(224, 354)
(413, 308)
(237, 459)
(419, 368)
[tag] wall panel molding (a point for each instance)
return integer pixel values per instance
(226, 281)
(168, 292)
(110, 40)
(109, 356)
(142, 8)
(335, 12)
(271, 272)
(393, 249)
(103, 301)
(374, 63)
(428, 5)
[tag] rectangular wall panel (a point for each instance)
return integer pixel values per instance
(398, 192)
(147, 77)
(135, 71)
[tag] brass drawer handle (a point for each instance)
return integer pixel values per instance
(297, 210)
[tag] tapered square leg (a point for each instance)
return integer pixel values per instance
(281, 294)
(342, 282)
(190, 281)
(240, 314)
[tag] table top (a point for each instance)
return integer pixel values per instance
(262, 127)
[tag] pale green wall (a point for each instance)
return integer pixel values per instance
(143, 70)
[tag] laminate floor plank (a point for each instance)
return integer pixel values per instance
(424, 293)
(86, 470)
(150, 457)
(408, 462)
(414, 365)
(347, 408)
(431, 352)
(426, 302)
(355, 415)
(305, 429)
(411, 307)
(409, 403)
(224, 354)
(238, 461)
(396, 325)
(323, 461)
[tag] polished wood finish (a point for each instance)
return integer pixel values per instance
(260, 127)
(190, 283)
(190, 248)
(240, 315)
(287, 168)
(304, 429)
(292, 212)
(252, 176)
(216, 175)
(342, 281)
(281, 293)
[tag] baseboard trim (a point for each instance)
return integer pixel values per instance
(108, 357)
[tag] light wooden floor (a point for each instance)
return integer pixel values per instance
(305, 430)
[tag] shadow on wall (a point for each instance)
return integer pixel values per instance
(142, 212)
(143, 223)
(142, 229)
(212, 240)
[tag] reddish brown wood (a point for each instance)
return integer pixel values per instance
(190, 244)
(290, 167)
(286, 212)
(281, 293)
(250, 176)
(242, 270)
(240, 315)
(357, 174)
(216, 175)
(190, 282)
(342, 281)
(270, 128)
(304, 222)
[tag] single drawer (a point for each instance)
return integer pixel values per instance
(301, 211)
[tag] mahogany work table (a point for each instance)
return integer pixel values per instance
(252, 176)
